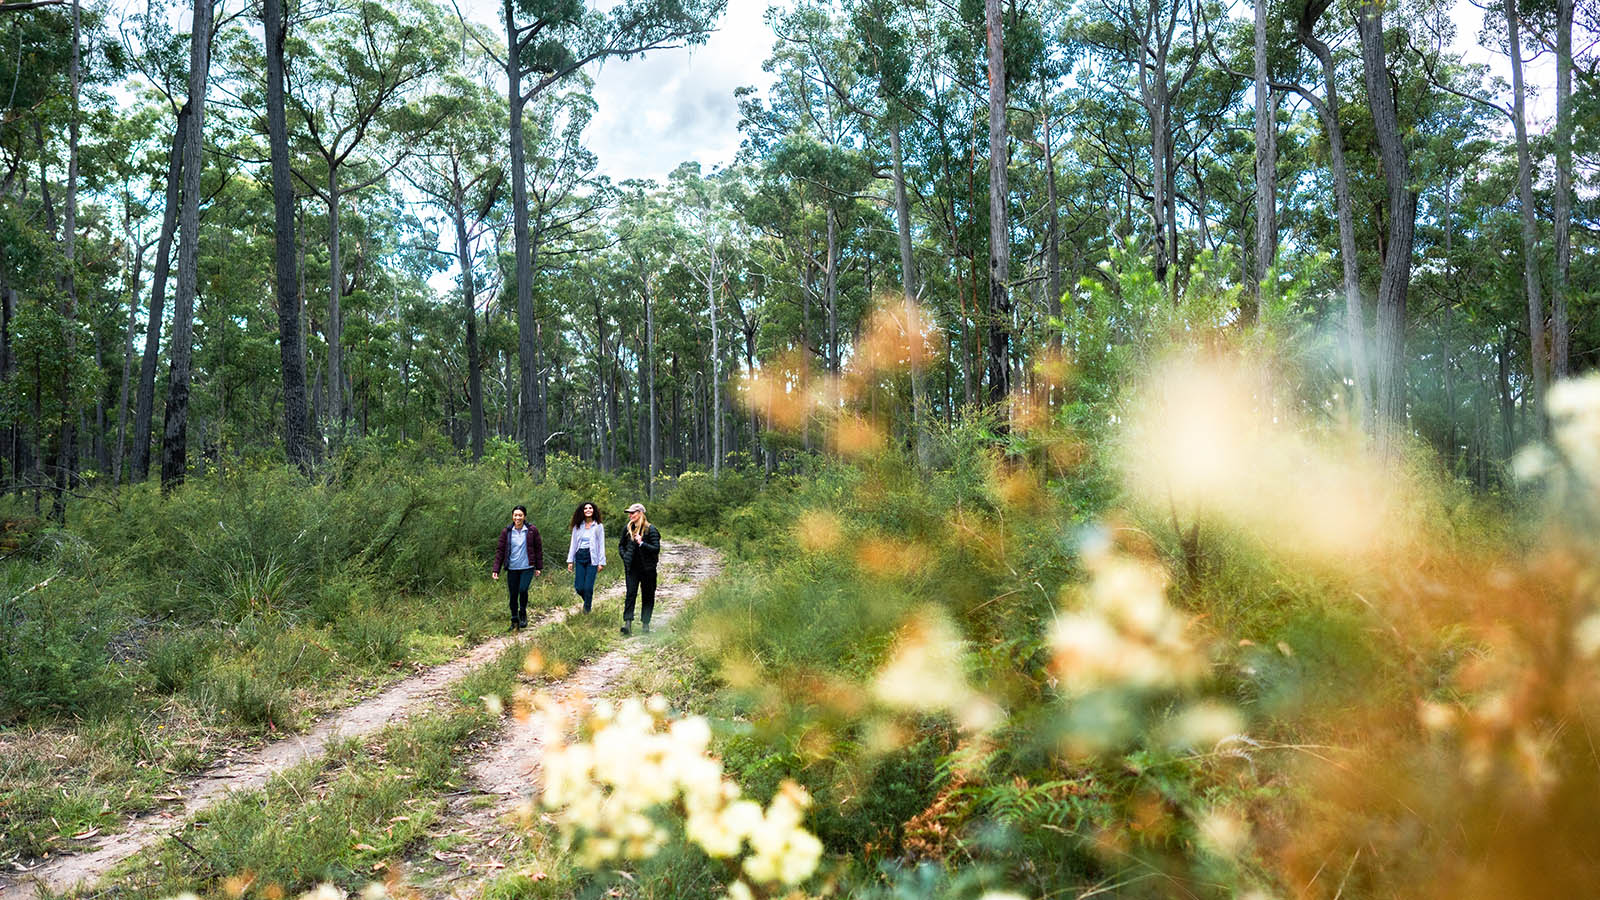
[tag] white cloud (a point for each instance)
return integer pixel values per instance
(672, 106)
(669, 106)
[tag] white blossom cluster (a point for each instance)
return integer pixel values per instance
(1574, 409)
(1571, 458)
(1123, 633)
(925, 672)
(635, 762)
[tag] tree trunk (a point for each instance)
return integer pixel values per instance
(313, 422)
(830, 289)
(513, 427)
(1452, 432)
(1538, 359)
(175, 439)
(1389, 370)
(1508, 418)
(12, 432)
(716, 374)
(1052, 247)
(1266, 168)
(908, 282)
(469, 296)
(650, 372)
(999, 230)
(1561, 342)
(319, 398)
(102, 450)
(334, 327)
(604, 413)
(291, 347)
(1355, 319)
(66, 444)
(902, 213)
(1154, 92)
(532, 445)
(541, 422)
(136, 272)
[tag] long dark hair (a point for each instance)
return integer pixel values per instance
(577, 514)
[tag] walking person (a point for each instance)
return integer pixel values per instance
(586, 554)
(640, 549)
(521, 554)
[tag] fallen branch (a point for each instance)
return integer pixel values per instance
(44, 583)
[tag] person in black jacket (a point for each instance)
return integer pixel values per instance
(640, 549)
(521, 554)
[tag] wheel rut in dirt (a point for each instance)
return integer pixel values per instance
(507, 770)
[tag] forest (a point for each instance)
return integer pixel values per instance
(1138, 448)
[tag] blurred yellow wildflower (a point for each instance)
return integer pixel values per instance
(817, 531)
(898, 336)
(856, 436)
(1205, 724)
(1223, 832)
(780, 392)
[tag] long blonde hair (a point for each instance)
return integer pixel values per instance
(644, 523)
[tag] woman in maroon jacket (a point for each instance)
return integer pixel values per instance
(521, 554)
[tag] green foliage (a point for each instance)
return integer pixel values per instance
(251, 699)
(373, 639)
(174, 660)
(702, 503)
(246, 602)
(310, 826)
(46, 385)
(53, 656)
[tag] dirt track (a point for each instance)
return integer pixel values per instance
(684, 568)
(508, 770)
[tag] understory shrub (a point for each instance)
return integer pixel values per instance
(215, 574)
(250, 698)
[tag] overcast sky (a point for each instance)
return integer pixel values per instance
(671, 106)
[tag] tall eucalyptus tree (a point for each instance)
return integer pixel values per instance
(701, 204)
(158, 53)
(175, 431)
(291, 347)
(999, 209)
(349, 77)
(547, 41)
(460, 170)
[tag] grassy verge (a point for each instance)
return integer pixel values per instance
(216, 689)
(373, 809)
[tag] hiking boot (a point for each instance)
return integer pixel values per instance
(626, 628)
(647, 628)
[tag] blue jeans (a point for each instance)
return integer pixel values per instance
(583, 576)
(517, 583)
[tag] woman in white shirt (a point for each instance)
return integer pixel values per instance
(586, 554)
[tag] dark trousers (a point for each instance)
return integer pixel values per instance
(583, 582)
(644, 582)
(517, 583)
